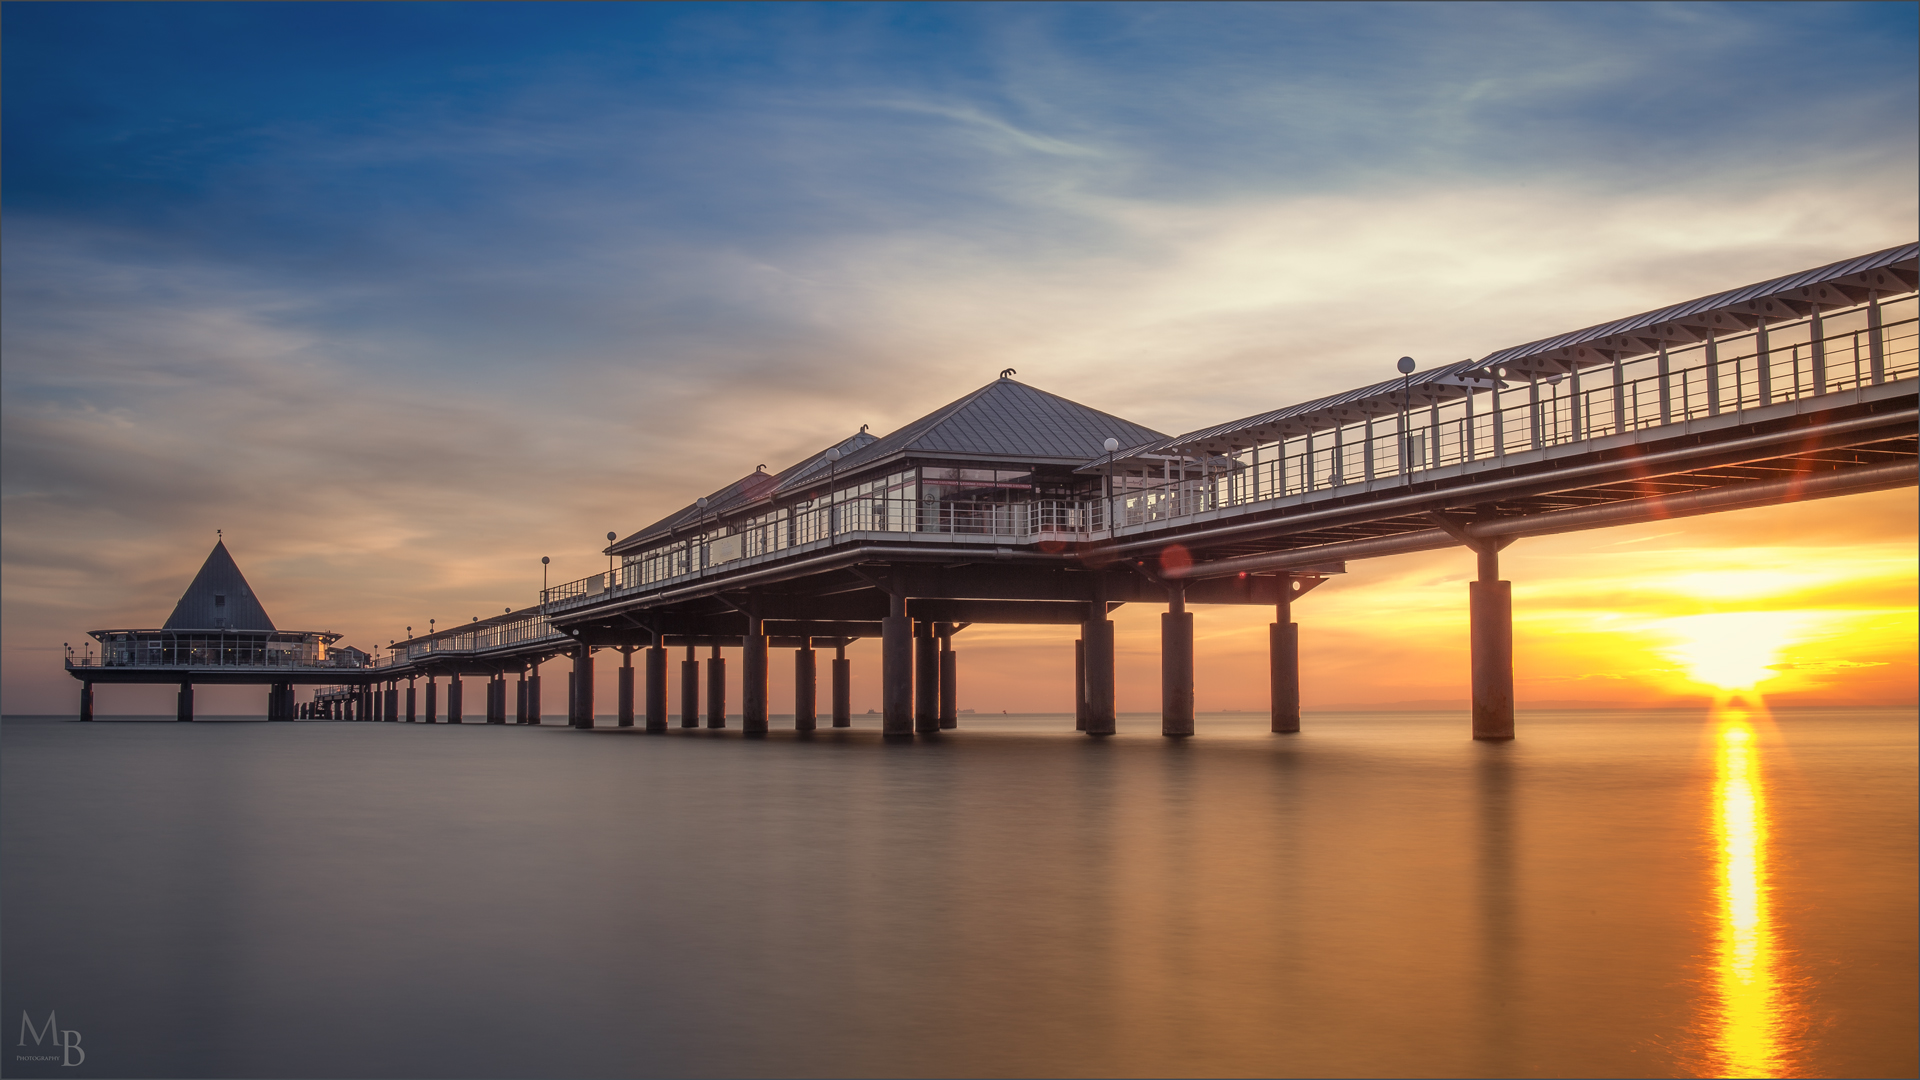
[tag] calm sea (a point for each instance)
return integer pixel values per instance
(1615, 893)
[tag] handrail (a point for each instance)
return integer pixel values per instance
(1782, 362)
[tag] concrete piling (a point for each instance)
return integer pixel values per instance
(1283, 659)
(949, 674)
(753, 679)
(625, 716)
(842, 688)
(1176, 671)
(1490, 615)
(805, 688)
(656, 688)
(1098, 635)
(926, 680)
(896, 669)
(716, 690)
(690, 691)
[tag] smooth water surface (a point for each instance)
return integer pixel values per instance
(1655, 893)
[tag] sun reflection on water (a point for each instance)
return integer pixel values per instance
(1747, 1023)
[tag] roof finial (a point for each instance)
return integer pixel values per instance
(1008, 373)
(863, 429)
(218, 535)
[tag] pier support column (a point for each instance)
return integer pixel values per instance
(689, 691)
(412, 712)
(1283, 658)
(533, 694)
(583, 687)
(1098, 634)
(183, 704)
(433, 701)
(1176, 667)
(656, 687)
(86, 699)
(716, 689)
(393, 701)
(626, 686)
(520, 699)
(949, 676)
(896, 669)
(1490, 603)
(842, 702)
(456, 699)
(806, 714)
(753, 679)
(1080, 682)
(926, 680)
(498, 688)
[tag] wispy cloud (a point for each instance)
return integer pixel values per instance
(434, 292)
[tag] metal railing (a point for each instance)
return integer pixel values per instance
(1781, 362)
(494, 636)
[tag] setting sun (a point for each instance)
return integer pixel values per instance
(1732, 650)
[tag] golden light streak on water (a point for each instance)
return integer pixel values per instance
(1747, 1026)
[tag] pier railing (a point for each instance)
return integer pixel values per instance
(1517, 412)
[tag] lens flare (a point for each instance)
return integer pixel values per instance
(1746, 1023)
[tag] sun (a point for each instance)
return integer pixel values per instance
(1732, 651)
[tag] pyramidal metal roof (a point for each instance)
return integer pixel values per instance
(1009, 419)
(219, 598)
(1004, 419)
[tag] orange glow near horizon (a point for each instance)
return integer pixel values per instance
(1736, 650)
(1746, 1025)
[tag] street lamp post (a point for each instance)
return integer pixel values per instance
(833, 493)
(611, 537)
(1110, 446)
(700, 543)
(543, 583)
(1406, 366)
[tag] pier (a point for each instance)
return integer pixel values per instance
(1014, 505)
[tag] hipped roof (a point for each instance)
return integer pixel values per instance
(1003, 420)
(219, 576)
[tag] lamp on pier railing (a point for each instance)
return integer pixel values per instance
(611, 537)
(701, 503)
(833, 494)
(1110, 446)
(543, 583)
(1406, 366)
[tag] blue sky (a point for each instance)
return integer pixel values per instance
(405, 296)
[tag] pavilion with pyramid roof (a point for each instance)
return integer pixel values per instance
(218, 633)
(989, 509)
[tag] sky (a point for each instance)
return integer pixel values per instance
(404, 297)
